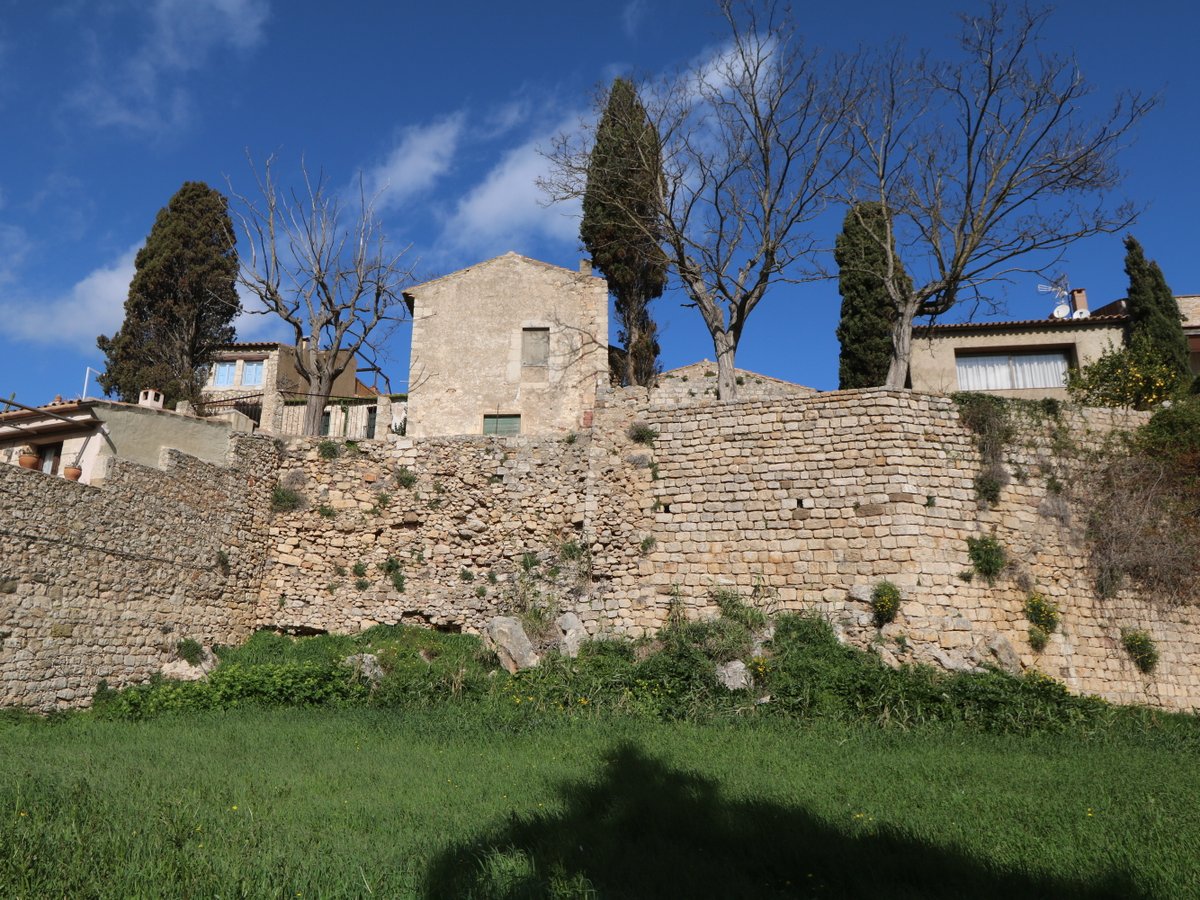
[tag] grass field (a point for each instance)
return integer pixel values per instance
(450, 802)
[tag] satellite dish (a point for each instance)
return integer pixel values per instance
(1080, 314)
(1062, 311)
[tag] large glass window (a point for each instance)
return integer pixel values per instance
(223, 374)
(1012, 371)
(501, 424)
(252, 373)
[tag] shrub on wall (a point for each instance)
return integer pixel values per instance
(285, 499)
(987, 557)
(885, 602)
(1141, 648)
(641, 433)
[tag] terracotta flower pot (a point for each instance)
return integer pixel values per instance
(28, 460)
(72, 473)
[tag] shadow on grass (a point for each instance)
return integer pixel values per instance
(642, 829)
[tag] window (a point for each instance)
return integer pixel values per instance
(535, 347)
(372, 418)
(223, 374)
(252, 373)
(1012, 371)
(501, 425)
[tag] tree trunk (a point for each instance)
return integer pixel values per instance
(901, 349)
(318, 399)
(725, 346)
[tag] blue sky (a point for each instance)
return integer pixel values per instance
(107, 106)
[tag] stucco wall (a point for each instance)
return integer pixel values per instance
(933, 367)
(466, 348)
(103, 582)
(140, 435)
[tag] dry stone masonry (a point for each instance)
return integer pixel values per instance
(798, 503)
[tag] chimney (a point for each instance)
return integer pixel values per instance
(151, 399)
(1079, 299)
(585, 267)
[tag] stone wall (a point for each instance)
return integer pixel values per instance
(456, 517)
(808, 503)
(102, 582)
(801, 503)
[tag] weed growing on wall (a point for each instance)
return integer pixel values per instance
(885, 603)
(1144, 508)
(737, 610)
(328, 450)
(641, 433)
(1141, 648)
(405, 477)
(190, 651)
(988, 417)
(285, 499)
(987, 557)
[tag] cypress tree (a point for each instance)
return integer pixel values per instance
(1153, 310)
(181, 303)
(868, 312)
(620, 227)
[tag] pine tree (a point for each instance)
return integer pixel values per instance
(620, 226)
(868, 312)
(1153, 309)
(181, 301)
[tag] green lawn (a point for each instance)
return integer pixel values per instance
(452, 802)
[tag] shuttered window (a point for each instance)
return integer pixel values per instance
(501, 425)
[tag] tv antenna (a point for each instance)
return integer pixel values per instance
(1060, 287)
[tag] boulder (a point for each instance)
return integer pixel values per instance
(365, 666)
(996, 650)
(573, 634)
(182, 670)
(511, 643)
(734, 676)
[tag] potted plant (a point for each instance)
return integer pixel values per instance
(73, 471)
(28, 457)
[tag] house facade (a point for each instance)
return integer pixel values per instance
(85, 434)
(262, 381)
(507, 346)
(1028, 358)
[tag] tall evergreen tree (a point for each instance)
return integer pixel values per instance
(620, 227)
(1153, 309)
(868, 311)
(182, 300)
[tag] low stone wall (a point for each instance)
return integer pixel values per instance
(103, 582)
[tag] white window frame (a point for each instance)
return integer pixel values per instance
(246, 364)
(225, 365)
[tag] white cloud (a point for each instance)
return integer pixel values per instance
(422, 156)
(14, 245)
(137, 93)
(632, 16)
(95, 305)
(507, 210)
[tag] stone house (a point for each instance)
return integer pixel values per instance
(1028, 358)
(88, 433)
(508, 346)
(260, 380)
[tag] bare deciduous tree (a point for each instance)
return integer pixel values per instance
(746, 158)
(335, 283)
(987, 166)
